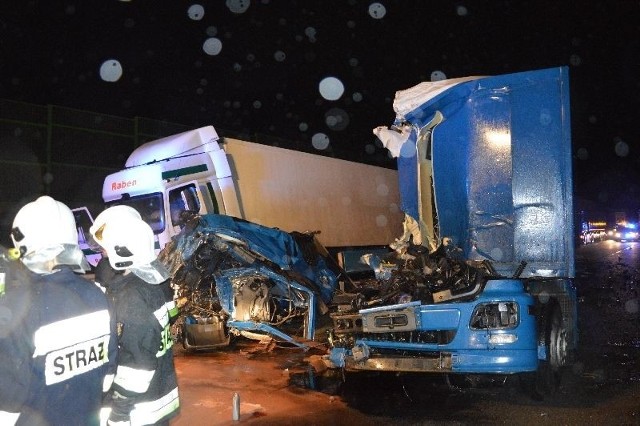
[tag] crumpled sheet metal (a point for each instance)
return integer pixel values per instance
(259, 278)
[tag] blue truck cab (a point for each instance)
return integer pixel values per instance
(485, 172)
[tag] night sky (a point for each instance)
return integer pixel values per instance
(257, 66)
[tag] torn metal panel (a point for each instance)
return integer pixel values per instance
(232, 276)
(500, 158)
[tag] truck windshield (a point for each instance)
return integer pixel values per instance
(150, 207)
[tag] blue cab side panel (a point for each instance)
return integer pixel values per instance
(502, 170)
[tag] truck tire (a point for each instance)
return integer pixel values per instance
(557, 341)
(545, 381)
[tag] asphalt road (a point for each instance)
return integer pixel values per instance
(275, 387)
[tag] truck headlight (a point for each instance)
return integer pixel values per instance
(502, 339)
(495, 316)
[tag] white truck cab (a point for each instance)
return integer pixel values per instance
(167, 176)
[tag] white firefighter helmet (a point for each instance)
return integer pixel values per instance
(111, 214)
(43, 224)
(129, 243)
(127, 240)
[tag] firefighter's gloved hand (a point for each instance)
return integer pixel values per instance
(120, 409)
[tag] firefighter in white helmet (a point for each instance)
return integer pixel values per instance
(145, 389)
(105, 273)
(58, 345)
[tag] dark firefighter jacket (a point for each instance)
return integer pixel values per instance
(104, 273)
(145, 389)
(58, 350)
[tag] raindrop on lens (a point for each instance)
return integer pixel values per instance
(110, 70)
(582, 154)
(331, 88)
(320, 141)
(382, 189)
(575, 60)
(310, 32)
(496, 253)
(336, 119)
(212, 46)
(621, 148)
(438, 76)
(238, 6)
(545, 117)
(377, 10)
(195, 12)
(211, 31)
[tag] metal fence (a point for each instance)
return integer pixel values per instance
(65, 153)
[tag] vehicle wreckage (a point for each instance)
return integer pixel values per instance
(234, 277)
(481, 280)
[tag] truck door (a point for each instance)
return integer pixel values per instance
(195, 197)
(181, 199)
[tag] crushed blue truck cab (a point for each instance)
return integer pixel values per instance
(235, 276)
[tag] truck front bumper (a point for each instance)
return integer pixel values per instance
(362, 357)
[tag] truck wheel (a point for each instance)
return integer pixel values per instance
(558, 341)
(545, 381)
